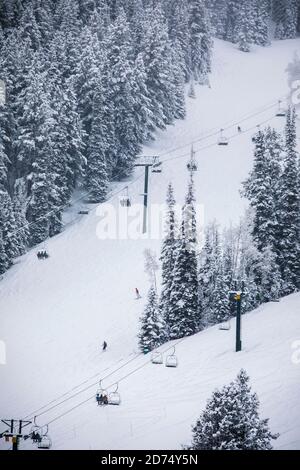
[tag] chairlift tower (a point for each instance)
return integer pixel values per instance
(15, 431)
(147, 162)
(237, 296)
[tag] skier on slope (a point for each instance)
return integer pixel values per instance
(138, 296)
(104, 346)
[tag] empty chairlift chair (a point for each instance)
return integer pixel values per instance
(156, 167)
(45, 443)
(171, 360)
(157, 358)
(281, 111)
(223, 140)
(226, 326)
(114, 398)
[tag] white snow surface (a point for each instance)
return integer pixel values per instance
(55, 314)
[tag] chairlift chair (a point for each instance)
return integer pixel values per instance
(156, 167)
(171, 360)
(192, 164)
(281, 112)
(223, 140)
(114, 397)
(125, 200)
(45, 442)
(157, 358)
(226, 326)
(35, 431)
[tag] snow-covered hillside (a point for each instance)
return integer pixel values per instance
(55, 314)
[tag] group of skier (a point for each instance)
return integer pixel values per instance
(42, 254)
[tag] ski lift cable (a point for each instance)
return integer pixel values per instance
(214, 143)
(37, 413)
(114, 383)
(103, 378)
(112, 195)
(50, 408)
(226, 126)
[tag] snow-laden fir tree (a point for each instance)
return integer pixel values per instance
(168, 255)
(36, 145)
(201, 43)
(220, 310)
(8, 227)
(121, 94)
(285, 14)
(218, 14)
(261, 35)
(267, 276)
(143, 112)
(163, 75)
(231, 420)
(232, 30)
(209, 269)
(246, 25)
(96, 181)
(19, 207)
(178, 25)
(151, 332)
(262, 187)
(289, 200)
(184, 316)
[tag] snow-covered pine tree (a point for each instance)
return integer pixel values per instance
(262, 187)
(151, 333)
(19, 207)
(209, 267)
(289, 200)
(201, 43)
(231, 420)
(4, 160)
(36, 146)
(162, 74)
(246, 25)
(168, 256)
(267, 276)
(231, 30)
(28, 28)
(178, 25)
(8, 227)
(261, 34)
(184, 316)
(5, 263)
(218, 14)
(220, 310)
(285, 13)
(151, 267)
(144, 118)
(119, 52)
(96, 181)
(87, 75)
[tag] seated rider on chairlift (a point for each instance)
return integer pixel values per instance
(102, 399)
(35, 436)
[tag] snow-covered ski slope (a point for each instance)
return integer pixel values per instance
(55, 314)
